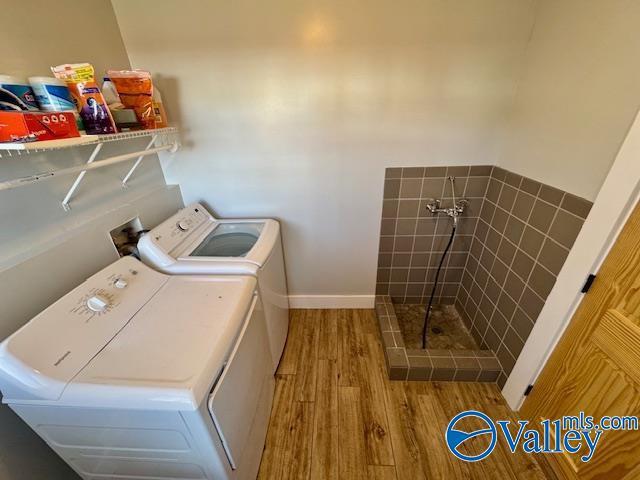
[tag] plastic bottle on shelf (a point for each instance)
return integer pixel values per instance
(110, 95)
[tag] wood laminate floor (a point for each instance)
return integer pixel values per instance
(336, 415)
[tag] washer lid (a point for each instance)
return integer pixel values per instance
(41, 358)
(193, 241)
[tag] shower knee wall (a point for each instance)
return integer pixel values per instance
(511, 243)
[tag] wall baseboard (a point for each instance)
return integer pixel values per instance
(331, 301)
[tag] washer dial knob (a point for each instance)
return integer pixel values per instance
(183, 225)
(120, 283)
(98, 303)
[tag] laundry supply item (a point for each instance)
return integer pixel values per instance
(158, 109)
(53, 95)
(126, 119)
(36, 126)
(16, 94)
(111, 95)
(86, 94)
(136, 91)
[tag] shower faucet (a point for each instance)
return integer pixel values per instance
(433, 205)
(454, 212)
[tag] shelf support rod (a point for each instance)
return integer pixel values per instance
(76, 184)
(135, 165)
(39, 177)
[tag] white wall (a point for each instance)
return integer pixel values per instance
(45, 251)
(36, 35)
(294, 108)
(578, 94)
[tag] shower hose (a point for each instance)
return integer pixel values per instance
(433, 290)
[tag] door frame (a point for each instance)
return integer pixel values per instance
(613, 205)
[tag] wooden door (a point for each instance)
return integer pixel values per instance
(596, 366)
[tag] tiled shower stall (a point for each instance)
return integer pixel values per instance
(510, 245)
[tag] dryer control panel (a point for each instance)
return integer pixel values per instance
(187, 222)
(56, 344)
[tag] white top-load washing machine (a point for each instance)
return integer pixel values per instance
(136, 374)
(194, 242)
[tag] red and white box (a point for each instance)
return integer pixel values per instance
(36, 126)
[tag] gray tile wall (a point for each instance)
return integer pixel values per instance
(412, 239)
(522, 238)
(510, 246)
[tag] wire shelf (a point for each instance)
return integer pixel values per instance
(162, 140)
(47, 145)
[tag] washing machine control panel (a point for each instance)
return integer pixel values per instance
(103, 294)
(189, 221)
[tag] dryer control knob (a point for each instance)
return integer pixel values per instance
(98, 303)
(183, 225)
(120, 283)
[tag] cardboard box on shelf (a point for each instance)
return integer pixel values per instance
(36, 126)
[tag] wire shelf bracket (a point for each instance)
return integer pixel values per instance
(165, 139)
(76, 183)
(137, 162)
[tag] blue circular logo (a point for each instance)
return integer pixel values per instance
(456, 438)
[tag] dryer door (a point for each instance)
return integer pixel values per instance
(239, 396)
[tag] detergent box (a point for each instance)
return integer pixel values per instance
(35, 126)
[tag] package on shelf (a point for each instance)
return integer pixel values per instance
(92, 106)
(36, 126)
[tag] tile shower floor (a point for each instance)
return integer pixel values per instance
(446, 329)
(435, 364)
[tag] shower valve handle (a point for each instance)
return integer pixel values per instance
(461, 205)
(433, 205)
